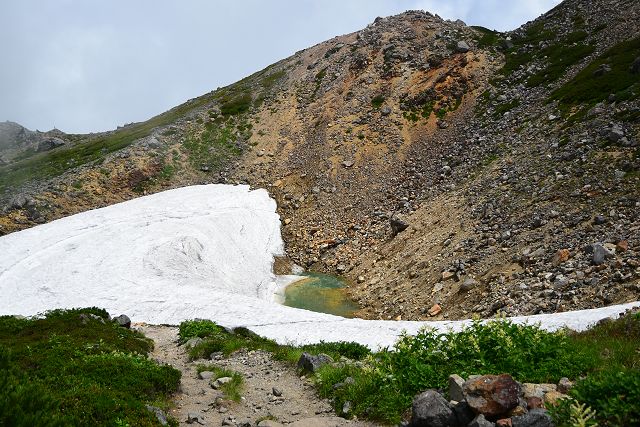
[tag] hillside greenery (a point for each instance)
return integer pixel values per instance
(75, 367)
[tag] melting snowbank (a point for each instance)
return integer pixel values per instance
(202, 251)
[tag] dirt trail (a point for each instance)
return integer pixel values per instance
(298, 405)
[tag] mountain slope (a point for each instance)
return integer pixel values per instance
(508, 155)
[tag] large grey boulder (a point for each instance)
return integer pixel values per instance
(123, 320)
(430, 409)
(310, 363)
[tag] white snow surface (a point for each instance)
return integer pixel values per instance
(195, 252)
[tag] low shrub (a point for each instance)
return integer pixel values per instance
(384, 388)
(69, 368)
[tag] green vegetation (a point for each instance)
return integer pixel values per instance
(92, 149)
(377, 101)
(516, 57)
(213, 146)
(612, 388)
(589, 87)
(218, 339)
(507, 106)
(560, 58)
(384, 389)
(382, 385)
(489, 38)
(238, 104)
(75, 367)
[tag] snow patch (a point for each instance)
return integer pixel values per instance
(195, 252)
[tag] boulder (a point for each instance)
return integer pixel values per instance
(397, 225)
(456, 382)
(463, 413)
(600, 254)
(463, 46)
(50, 144)
(492, 395)
(533, 418)
(219, 382)
(430, 409)
(310, 363)
(159, 413)
(123, 320)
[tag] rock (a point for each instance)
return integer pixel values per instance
(463, 46)
(346, 408)
(276, 392)
(602, 70)
(311, 363)
(456, 382)
(599, 220)
(269, 423)
(504, 422)
(397, 225)
(192, 342)
(430, 409)
(50, 144)
(564, 385)
(561, 256)
(159, 413)
(435, 310)
(551, 398)
(446, 275)
(386, 110)
(533, 418)
(463, 413)
(193, 417)
(219, 382)
(348, 163)
(534, 402)
(615, 133)
(600, 254)
(492, 395)
(205, 375)
(622, 246)
(123, 320)
(468, 284)
(481, 421)
(536, 390)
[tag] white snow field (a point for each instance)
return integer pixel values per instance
(195, 252)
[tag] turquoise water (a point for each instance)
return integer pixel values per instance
(321, 293)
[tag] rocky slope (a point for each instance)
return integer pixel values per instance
(512, 159)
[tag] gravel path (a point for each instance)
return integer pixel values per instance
(297, 406)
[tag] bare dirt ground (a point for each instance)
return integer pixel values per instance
(297, 406)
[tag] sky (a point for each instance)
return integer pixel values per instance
(91, 65)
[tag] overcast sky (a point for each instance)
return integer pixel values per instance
(91, 65)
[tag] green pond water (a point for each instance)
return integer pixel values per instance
(321, 293)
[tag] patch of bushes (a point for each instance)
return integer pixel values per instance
(218, 339)
(589, 87)
(236, 105)
(560, 58)
(385, 387)
(69, 368)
